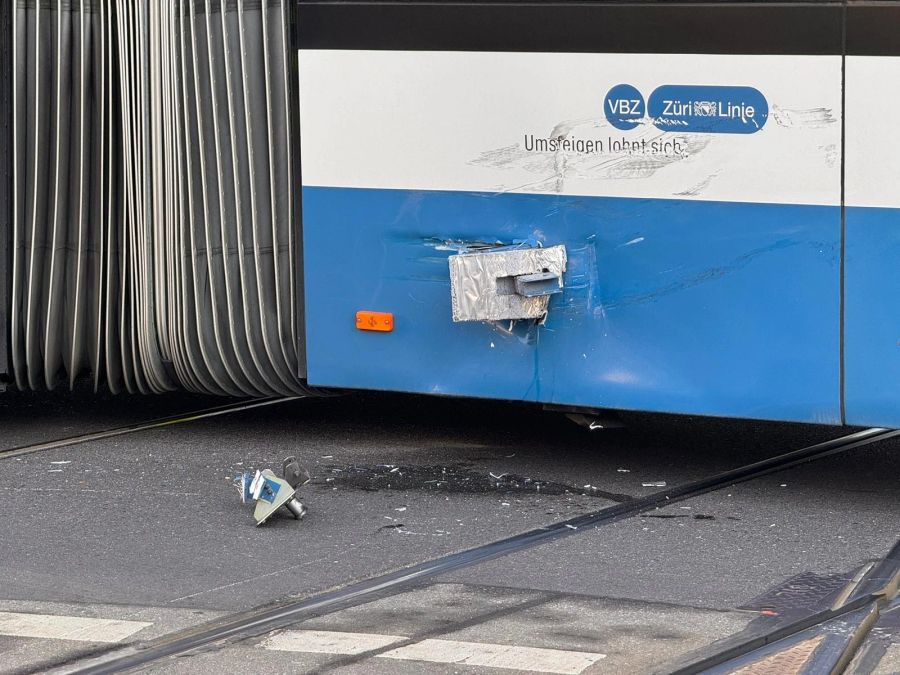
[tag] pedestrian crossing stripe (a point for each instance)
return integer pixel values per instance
(531, 659)
(80, 628)
(398, 647)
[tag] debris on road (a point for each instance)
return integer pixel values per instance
(655, 483)
(293, 473)
(271, 492)
(453, 478)
(596, 420)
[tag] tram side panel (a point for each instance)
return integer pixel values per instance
(688, 158)
(872, 254)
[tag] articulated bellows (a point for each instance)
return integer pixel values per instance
(153, 228)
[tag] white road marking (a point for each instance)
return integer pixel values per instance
(530, 659)
(80, 628)
(497, 656)
(329, 642)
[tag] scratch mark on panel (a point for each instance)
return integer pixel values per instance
(618, 160)
(702, 277)
(810, 118)
(699, 187)
(831, 154)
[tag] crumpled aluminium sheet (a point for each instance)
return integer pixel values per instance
(477, 295)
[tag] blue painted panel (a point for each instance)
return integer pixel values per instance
(670, 305)
(872, 316)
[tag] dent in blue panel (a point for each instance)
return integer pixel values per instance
(684, 306)
(872, 316)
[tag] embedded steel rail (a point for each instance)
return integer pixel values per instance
(261, 620)
(875, 592)
(143, 426)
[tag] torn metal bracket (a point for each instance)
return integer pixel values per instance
(506, 283)
(270, 492)
(538, 284)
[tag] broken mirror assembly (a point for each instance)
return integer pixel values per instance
(505, 283)
(271, 492)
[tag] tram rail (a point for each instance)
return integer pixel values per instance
(158, 423)
(871, 596)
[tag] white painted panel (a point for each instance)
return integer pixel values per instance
(328, 642)
(872, 131)
(531, 659)
(79, 628)
(459, 120)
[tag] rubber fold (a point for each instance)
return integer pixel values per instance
(153, 234)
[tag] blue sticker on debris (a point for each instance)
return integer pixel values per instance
(269, 490)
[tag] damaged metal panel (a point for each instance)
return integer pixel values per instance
(701, 276)
(498, 285)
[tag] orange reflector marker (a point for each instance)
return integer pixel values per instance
(380, 321)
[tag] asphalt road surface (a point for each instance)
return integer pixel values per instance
(123, 540)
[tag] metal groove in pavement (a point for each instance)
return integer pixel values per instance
(874, 591)
(143, 426)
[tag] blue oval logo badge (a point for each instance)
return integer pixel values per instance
(624, 107)
(708, 109)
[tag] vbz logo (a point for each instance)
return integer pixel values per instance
(624, 107)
